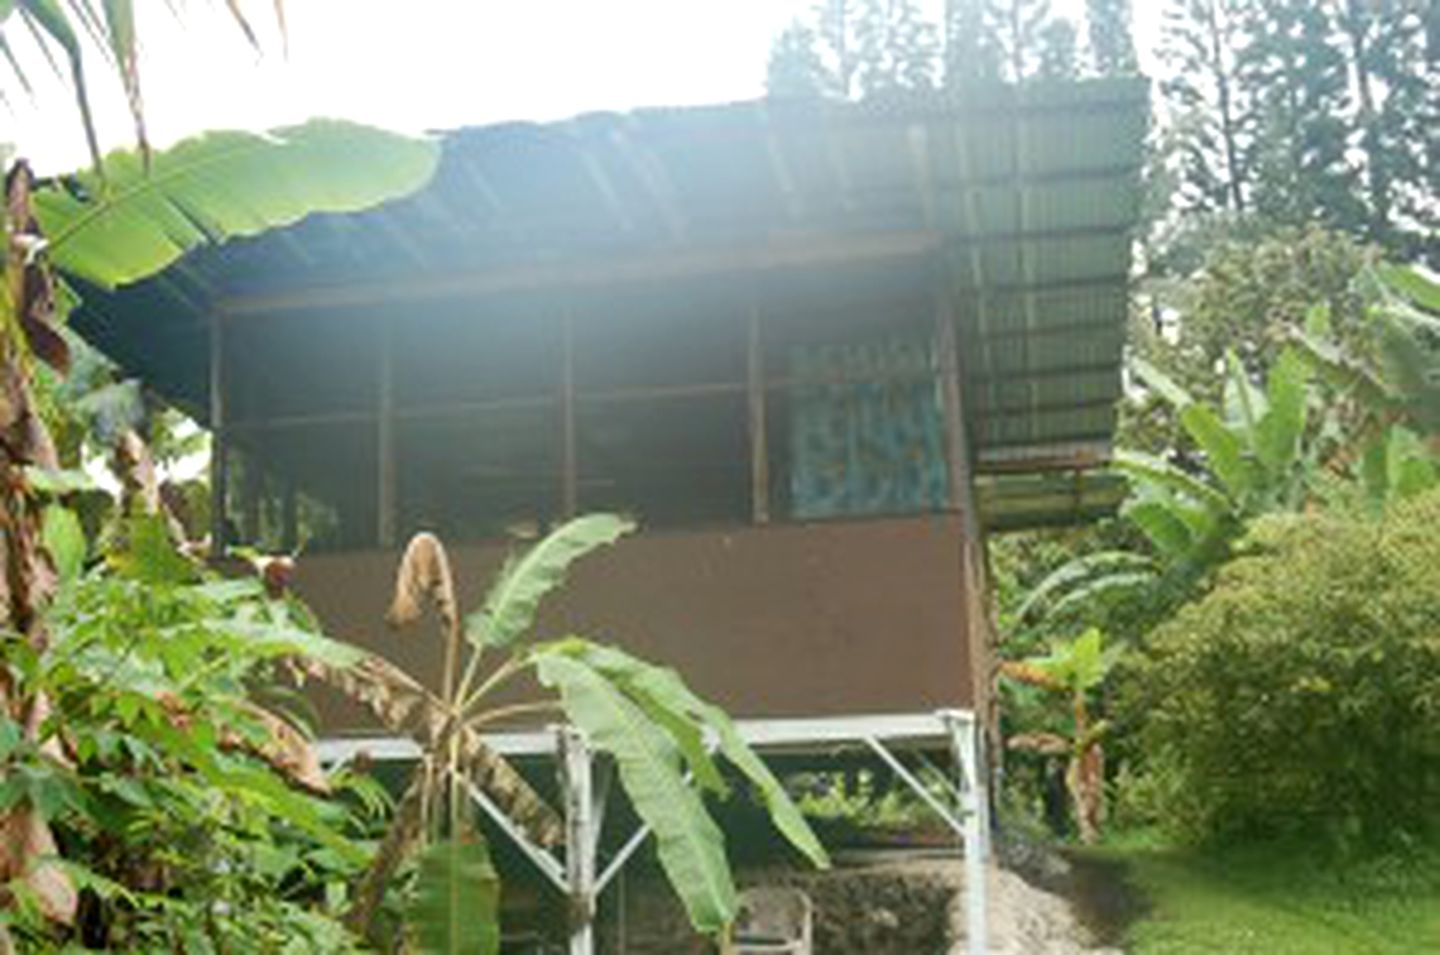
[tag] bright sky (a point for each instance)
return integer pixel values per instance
(421, 64)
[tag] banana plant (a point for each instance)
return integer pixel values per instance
(1071, 672)
(110, 24)
(1253, 459)
(120, 223)
(656, 730)
(1390, 397)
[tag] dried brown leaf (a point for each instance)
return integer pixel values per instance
(1029, 673)
(31, 286)
(286, 749)
(424, 573)
(27, 853)
(405, 707)
(1048, 744)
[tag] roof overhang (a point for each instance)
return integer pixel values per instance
(1023, 199)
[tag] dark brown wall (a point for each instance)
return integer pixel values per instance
(789, 620)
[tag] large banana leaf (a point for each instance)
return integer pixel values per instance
(1161, 383)
(1164, 528)
(1410, 283)
(1244, 404)
(661, 689)
(456, 908)
(1095, 587)
(1278, 434)
(218, 186)
(1396, 466)
(1149, 469)
(690, 845)
(1412, 369)
(1083, 572)
(1340, 370)
(1223, 450)
(513, 601)
(405, 707)
(48, 17)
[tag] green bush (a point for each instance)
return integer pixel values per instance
(1301, 696)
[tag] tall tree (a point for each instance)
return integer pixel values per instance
(974, 51)
(1295, 76)
(1394, 71)
(1059, 55)
(835, 27)
(1210, 110)
(897, 48)
(1023, 24)
(1110, 27)
(796, 68)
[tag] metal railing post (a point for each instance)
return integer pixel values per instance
(580, 836)
(965, 743)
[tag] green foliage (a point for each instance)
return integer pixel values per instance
(862, 48)
(1111, 35)
(182, 810)
(456, 906)
(897, 48)
(515, 597)
(689, 843)
(1286, 898)
(1298, 696)
(220, 185)
(1078, 665)
(1246, 294)
(655, 728)
(795, 69)
(1076, 580)
(1069, 676)
(1274, 108)
(663, 694)
(1251, 460)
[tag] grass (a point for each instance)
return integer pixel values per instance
(1281, 901)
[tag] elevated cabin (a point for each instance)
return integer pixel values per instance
(817, 349)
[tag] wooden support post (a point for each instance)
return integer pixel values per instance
(290, 517)
(219, 440)
(569, 465)
(957, 448)
(759, 444)
(252, 489)
(385, 500)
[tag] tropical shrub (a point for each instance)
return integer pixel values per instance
(165, 797)
(117, 223)
(1300, 695)
(1253, 459)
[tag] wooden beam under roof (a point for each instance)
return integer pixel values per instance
(778, 254)
(1053, 371)
(1085, 458)
(1047, 441)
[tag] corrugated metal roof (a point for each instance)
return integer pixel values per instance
(1026, 197)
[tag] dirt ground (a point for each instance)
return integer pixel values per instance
(886, 904)
(1024, 920)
